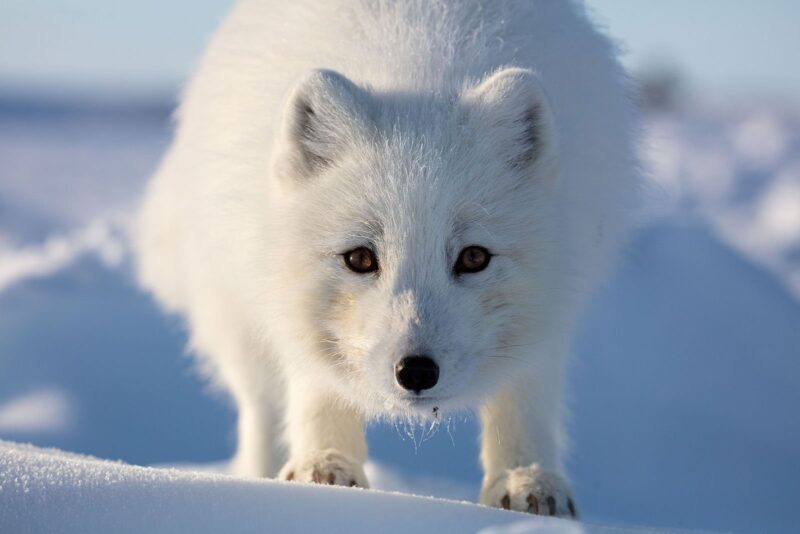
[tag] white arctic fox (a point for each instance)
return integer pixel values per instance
(394, 208)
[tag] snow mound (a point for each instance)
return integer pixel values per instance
(46, 490)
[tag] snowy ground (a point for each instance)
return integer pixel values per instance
(51, 491)
(684, 386)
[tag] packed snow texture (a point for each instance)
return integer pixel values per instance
(683, 388)
(45, 491)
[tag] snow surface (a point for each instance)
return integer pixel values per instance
(685, 380)
(46, 491)
(738, 170)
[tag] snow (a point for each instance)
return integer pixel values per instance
(683, 389)
(760, 139)
(737, 170)
(49, 491)
(59, 251)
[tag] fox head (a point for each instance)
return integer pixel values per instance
(418, 241)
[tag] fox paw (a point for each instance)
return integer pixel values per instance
(529, 489)
(325, 467)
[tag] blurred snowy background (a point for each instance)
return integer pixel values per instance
(686, 377)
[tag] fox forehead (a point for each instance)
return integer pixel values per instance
(432, 177)
(414, 223)
(374, 208)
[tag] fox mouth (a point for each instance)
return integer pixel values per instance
(416, 402)
(430, 405)
(419, 397)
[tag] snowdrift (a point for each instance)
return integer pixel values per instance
(46, 490)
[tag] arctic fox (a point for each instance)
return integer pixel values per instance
(394, 208)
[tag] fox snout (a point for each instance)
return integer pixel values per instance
(416, 373)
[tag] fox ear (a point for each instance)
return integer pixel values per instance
(325, 112)
(514, 109)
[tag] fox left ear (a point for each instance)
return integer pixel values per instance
(516, 113)
(324, 115)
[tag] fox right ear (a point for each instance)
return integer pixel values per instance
(513, 109)
(324, 114)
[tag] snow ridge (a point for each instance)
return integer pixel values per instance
(46, 490)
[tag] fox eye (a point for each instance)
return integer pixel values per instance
(472, 259)
(361, 260)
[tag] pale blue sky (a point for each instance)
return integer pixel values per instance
(148, 46)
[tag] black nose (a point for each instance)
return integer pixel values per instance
(416, 373)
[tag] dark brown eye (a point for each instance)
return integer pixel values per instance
(472, 260)
(361, 260)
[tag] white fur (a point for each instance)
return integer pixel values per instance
(416, 147)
